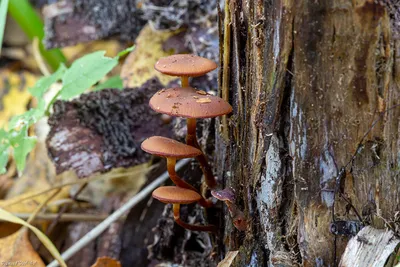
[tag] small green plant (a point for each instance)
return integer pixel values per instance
(83, 74)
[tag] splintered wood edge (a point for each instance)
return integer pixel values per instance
(370, 247)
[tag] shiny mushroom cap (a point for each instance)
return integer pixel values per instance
(169, 148)
(185, 65)
(176, 195)
(188, 102)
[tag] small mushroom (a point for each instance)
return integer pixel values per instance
(185, 66)
(177, 196)
(228, 196)
(173, 150)
(187, 102)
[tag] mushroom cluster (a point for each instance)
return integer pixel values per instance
(192, 104)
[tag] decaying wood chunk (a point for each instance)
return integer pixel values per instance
(70, 22)
(102, 130)
(371, 247)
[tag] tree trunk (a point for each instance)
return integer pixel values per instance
(314, 86)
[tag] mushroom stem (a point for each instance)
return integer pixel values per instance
(181, 183)
(238, 217)
(174, 176)
(192, 227)
(191, 140)
(184, 81)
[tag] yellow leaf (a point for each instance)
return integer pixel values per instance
(16, 250)
(14, 93)
(106, 262)
(139, 65)
(112, 48)
(6, 216)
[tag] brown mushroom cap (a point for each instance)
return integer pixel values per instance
(166, 147)
(176, 195)
(185, 65)
(188, 102)
(226, 194)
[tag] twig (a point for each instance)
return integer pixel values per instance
(64, 209)
(42, 205)
(66, 217)
(95, 232)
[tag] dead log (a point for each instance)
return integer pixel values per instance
(314, 136)
(371, 247)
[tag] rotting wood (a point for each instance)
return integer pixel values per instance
(69, 22)
(371, 247)
(307, 81)
(225, 64)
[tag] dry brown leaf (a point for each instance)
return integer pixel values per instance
(229, 257)
(128, 185)
(16, 250)
(39, 174)
(139, 65)
(106, 262)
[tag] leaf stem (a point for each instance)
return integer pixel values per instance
(47, 112)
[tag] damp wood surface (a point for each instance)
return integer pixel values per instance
(307, 81)
(371, 247)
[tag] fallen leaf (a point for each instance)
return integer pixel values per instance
(43, 170)
(14, 93)
(106, 262)
(229, 257)
(6, 216)
(112, 47)
(96, 191)
(17, 250)
(139, 65)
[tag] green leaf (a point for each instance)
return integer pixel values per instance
(3, 16)
(3, 161)
(112, 82)
(85, 72)
(4, 147)
(43, 84)
(27, 118)
(126, 51)
(22, 144)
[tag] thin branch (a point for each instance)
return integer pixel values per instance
(42, 205)
(66, 217)
(95, 232)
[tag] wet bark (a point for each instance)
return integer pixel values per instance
(314, 86)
